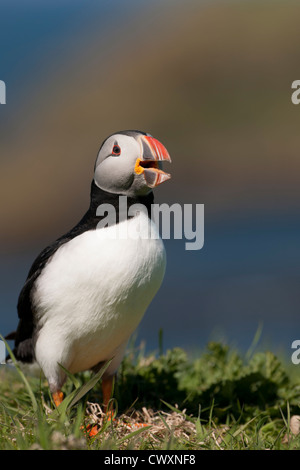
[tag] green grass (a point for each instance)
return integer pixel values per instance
(219, 400)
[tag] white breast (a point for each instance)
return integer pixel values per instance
(93, 293)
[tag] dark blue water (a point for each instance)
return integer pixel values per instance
(37, 37)
(247, 274)
(30, 30)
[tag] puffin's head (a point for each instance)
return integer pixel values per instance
(129, 163)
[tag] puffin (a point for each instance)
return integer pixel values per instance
(86, 293)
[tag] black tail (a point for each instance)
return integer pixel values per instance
(11, 336)
(23, 351)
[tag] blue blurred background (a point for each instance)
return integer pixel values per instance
(212, 81)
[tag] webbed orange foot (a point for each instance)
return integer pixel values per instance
(58, 397)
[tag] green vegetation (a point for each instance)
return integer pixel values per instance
(218, 400)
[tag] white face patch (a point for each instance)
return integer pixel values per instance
(115, 173)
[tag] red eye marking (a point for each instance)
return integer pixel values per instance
(116, 150)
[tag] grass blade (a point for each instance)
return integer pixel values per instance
(89, 385)
(133, 433)
(72, 377)
(177, 411)
(22, 376)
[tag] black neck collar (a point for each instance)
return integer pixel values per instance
(90, 219)
(99, 196)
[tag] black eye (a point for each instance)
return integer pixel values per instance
(116, 150)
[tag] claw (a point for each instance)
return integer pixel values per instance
(58, 397)
(136, 426)
(92, 430)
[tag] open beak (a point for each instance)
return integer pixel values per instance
(150, 164)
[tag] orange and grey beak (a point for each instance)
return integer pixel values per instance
(153, 152)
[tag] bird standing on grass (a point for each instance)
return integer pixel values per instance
(86, 293)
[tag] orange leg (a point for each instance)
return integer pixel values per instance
(107, 388)
(58, 397)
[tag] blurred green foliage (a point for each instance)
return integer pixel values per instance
(220, 377)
